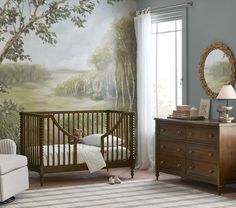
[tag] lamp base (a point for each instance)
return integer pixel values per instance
(223, 114)
(227, 119)
(221, 110)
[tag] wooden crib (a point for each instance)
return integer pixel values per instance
(48, 142)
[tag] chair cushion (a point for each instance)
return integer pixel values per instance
(12, 162)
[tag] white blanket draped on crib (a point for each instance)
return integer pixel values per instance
(93, 158)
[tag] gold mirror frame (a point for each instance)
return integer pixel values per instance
(221, 46)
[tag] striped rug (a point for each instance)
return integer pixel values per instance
(138, 194)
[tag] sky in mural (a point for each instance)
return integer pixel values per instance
(76, 44)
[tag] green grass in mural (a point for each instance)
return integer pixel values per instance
(41, 96)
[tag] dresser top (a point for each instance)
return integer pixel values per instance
(196, 122)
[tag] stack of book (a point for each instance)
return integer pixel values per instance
(182, 112)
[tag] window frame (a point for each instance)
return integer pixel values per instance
(170, 15)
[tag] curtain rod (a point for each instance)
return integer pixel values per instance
(160, 9)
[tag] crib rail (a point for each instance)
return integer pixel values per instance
(38, 132)
(45, 133)
(31, 137)
(89, 122)
(122, 134)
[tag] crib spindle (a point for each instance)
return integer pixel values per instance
(78, 120)
(117, 143)
(122, 140)
(102, 130)
(97, 123)
(83, 122)
(126, 136)
(92, 123)
(58, 142)
(64, 149)
(73, 121)
(87, 119)
(108, 159)
(53, 143)
(33, 136)
(36, 137)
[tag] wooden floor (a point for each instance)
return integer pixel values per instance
(84, 177)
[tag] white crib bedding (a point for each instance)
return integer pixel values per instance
(119, 153)
(84, 152)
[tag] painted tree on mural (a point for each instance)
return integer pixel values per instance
(21, 17)
(102, 59)
(125, 57)
(115, 59)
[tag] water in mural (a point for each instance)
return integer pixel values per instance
(89, 68)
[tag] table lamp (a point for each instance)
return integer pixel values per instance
(226, 93)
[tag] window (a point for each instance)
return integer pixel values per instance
(169, 60)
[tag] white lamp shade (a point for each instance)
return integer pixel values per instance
(227, 92)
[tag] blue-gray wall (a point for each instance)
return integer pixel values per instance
(208, 21)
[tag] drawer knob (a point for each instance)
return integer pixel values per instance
(190, 133)
(211, 136)
(162, 161)
(210, 154)
(162, 130)
(162, 146)
(190, 151)
(179, 132)
(190, 167)
(179, 165)
(211, 171)
(179, 149)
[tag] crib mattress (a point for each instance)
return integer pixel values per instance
(57, 152)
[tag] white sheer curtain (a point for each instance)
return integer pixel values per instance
(145, 84)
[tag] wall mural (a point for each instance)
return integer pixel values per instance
(89, 68)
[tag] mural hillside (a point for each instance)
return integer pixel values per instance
(88, 68)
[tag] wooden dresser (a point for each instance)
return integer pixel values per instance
(198, 150)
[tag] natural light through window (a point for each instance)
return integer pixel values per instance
(167, 60)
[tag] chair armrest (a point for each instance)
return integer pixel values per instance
(7, 146)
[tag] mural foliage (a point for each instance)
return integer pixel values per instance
(108, 82)
(113, 77)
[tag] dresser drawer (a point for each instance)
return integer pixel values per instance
(202, 134)
(172, 164)
(172, 148)
(172, 131)
(201, 169)
(201, 153)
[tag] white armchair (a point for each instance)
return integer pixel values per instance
(14, 176)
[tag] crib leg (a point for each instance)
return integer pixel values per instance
(41, 180)
(41, 174)
(132, 173)
(132, 169)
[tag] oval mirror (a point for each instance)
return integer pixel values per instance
(216, 68)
